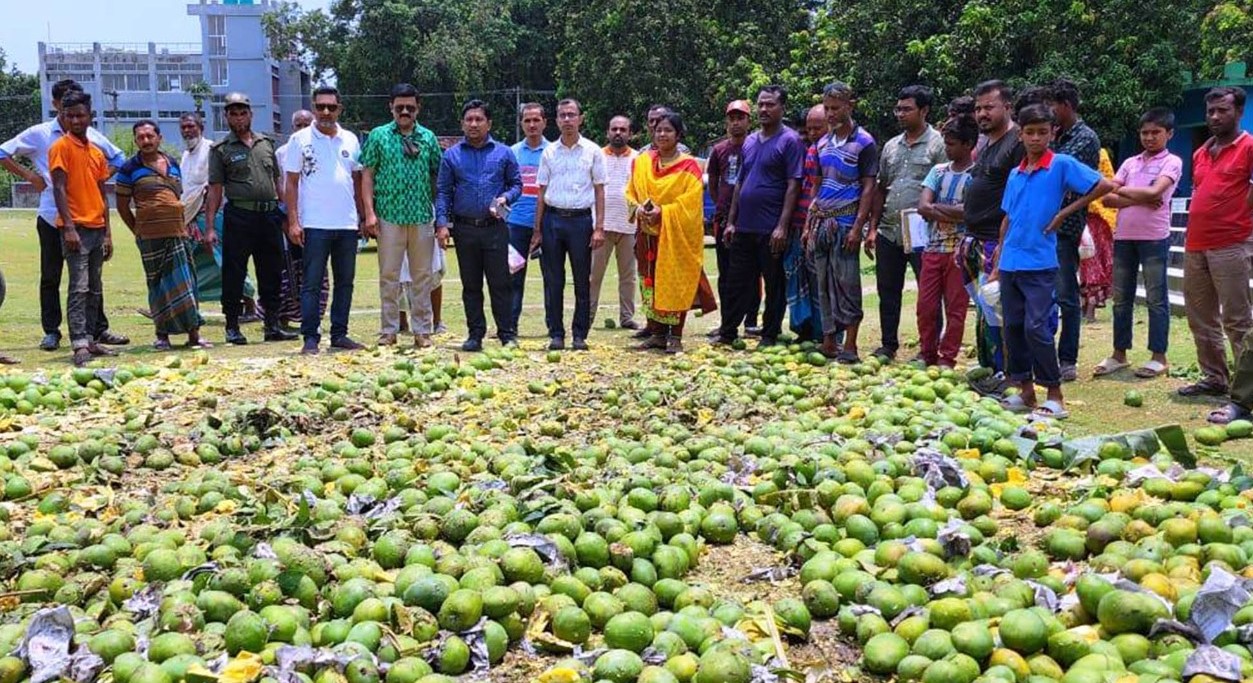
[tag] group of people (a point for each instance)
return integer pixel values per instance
(991, 207)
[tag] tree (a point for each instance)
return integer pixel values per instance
(199, 91)
(693, 55)
(1124, 58)
(19, 109)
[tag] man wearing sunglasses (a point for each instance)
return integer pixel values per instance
(400, 162)
(243, 167)
(323, 197)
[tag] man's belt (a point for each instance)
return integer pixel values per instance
(568, 213)
(475, 222)
(261, 207)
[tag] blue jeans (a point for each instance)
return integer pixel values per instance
(1068, 298)
(1129, 257)
(563, 236)
(1026, 307)
(340, 247)
(519, 239)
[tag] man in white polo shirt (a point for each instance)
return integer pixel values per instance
(323, 205)
(619, 231)
(571, 181)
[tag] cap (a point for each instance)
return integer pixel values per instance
(237, 98)
(740, 106)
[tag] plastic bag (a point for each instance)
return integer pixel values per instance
(1087, 245)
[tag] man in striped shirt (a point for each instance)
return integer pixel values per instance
(619, 231)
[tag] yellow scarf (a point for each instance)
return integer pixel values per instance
(678, 190)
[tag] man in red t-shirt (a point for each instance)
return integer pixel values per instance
(1220, 219)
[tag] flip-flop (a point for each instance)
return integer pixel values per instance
(202, 344)
(1151, 369)
(162, 345)
(1228, 413)
(1016, 405)
(847, 358)
(1051, 409)
(1108, 367)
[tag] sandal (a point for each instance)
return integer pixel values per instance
(1205, 387)
(1109, 366)
(1015, 404)
(847, 358)
(199, 344)
(1151, 369)
(1228, 413)
(82, 356)
(8, 360)
(653, 341)
(1050, 409)
(162, 345)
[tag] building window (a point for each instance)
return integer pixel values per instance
(219, 118)
(217, 35)
(167, 114)
(115, 114)
(218, 72)
(167, 83)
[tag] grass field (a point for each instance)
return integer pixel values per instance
(1096, 405)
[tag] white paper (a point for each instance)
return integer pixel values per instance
(913, 230)
(516, 260)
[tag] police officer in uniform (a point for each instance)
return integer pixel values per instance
(244, 168)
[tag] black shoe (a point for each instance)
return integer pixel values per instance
(752, 331)
(767, 342)
(346, 344)
(642, 334)
(273, 334)
(722, 341)
(51, 342)
(579, 344)
(112, 339)
(557, 344)
(885, 354)
(472, 345)
(509, 342)
(234, 336)
(310, 348)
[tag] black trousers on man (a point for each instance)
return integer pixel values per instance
(889, 275)
(257, 235)
(483, 253)
(749, 261)
(51, 266)
(723, 254)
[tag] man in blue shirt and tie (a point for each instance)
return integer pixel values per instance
(478, 180)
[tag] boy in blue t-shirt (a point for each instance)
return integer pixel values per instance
(1026, 260)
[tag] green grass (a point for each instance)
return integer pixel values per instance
(1096, 405)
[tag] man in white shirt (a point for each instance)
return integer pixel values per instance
(619, 231)
(32, 144)
(323, 204)
(571, 181)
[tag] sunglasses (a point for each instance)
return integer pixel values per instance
(405, 109)
(326, 107)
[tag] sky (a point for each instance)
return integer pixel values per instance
(26, 22)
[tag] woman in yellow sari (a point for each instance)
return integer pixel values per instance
(666, 201)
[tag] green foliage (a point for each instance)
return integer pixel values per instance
(19, 99)
(1226, 33)
(1125, 59)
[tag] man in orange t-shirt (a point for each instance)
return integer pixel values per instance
(78, 171)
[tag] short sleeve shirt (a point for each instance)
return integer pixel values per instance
(948, 187)
(769, 165)
(522, 213)
(85, 168)
(1218, 215)
(618, 175)
(902, 167)
(325, 164)
(157, 198)
(569, 174)
(1141, 222)
(1082, 143)
(841, 166)
(1032, 199)
(245, 173)
(724, 173)
(403, 189)
(33, 144)
(993, 162)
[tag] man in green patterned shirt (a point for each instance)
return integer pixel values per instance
(400, 163)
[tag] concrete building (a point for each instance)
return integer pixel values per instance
(130, 82)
